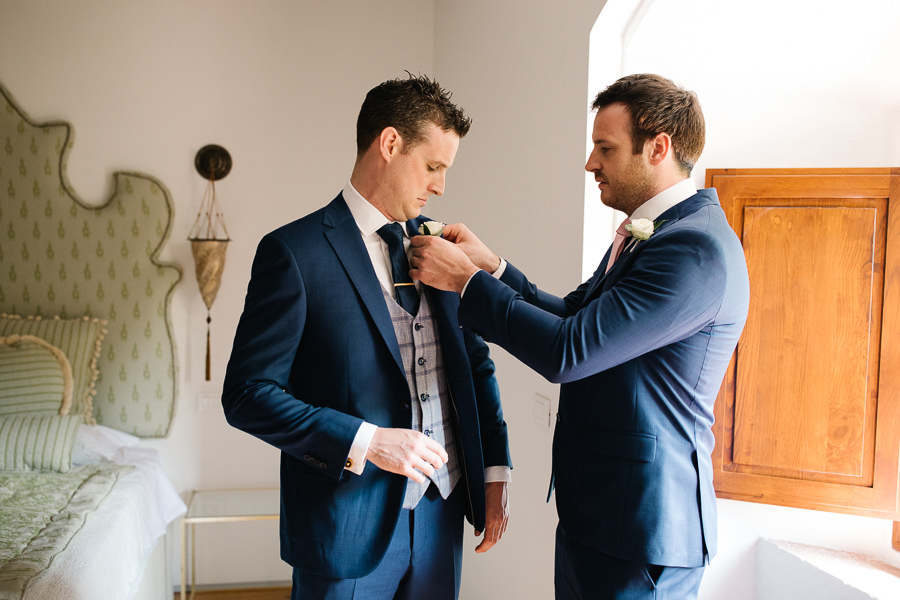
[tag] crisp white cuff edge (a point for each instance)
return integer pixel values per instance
(496, 274)
(360, 447)
(497, 474)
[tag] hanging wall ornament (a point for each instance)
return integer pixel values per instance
(209, 237)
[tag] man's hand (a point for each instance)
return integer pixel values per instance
(406, 452)
(480, 255)
(440, 264)
(497, 516)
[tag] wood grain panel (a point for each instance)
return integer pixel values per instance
(802, 396)
(809, 412)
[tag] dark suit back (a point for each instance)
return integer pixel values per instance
(640, 352)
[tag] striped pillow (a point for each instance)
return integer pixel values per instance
(35, 377)
(79, 339)
(37, 443)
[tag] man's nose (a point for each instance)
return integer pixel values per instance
(437, 186)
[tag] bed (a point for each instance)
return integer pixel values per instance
(87, 371)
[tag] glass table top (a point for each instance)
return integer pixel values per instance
(237, 505)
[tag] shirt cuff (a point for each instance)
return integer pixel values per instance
(497, 474)
(496, 274)
(356, 460)
(499, 272)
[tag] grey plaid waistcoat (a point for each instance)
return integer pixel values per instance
(432, 413)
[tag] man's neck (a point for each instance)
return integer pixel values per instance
(665, 199)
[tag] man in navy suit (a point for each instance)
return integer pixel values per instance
(640, 349)
(340, 360)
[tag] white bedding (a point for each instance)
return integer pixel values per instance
(106, 559)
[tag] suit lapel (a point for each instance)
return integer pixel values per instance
(343, 235)
(443, 306)
(665, 220)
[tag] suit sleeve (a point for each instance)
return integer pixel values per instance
(672, 290)
(561, 307)
(493, 430)
(263, 355)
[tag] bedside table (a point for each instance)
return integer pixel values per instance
(222, 506)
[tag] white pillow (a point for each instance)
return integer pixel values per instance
(96, 443)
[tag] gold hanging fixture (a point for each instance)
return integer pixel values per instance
(209, 236)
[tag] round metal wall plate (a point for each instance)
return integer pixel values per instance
(212, 162)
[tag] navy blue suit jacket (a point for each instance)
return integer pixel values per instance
(641, 352)
(314, 355)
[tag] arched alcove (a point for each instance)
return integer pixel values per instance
(798, 83)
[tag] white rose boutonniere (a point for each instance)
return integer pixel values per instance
(431, 228)
(640, 229)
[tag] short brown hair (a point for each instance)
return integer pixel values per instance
(657, 105)
(408, 105)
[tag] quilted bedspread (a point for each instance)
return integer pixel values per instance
(39, 514)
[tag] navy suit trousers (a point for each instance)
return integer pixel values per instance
(424, 559)
(583, 573)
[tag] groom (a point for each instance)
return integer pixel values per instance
(640, 349)
(386, 411)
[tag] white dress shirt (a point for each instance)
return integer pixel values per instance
(369, 220)
(666, 199)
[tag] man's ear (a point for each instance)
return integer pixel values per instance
(658, 148)
(389, 143)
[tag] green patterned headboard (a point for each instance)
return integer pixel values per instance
(60, 256)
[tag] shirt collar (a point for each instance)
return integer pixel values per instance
(368, 218)
(666, 199)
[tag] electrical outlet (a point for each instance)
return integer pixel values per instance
(540, 411)
(208, 401)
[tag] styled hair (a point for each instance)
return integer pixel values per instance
(410, 106)
(657, 105)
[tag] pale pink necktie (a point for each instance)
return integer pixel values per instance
(622, 234)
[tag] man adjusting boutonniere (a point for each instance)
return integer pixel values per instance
(639, 356)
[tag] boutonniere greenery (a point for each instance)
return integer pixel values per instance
(431, 228)
(642, 229)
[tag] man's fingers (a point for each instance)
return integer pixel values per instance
(415, 474)
(454, 232)
(406, 452)
(486, 544)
